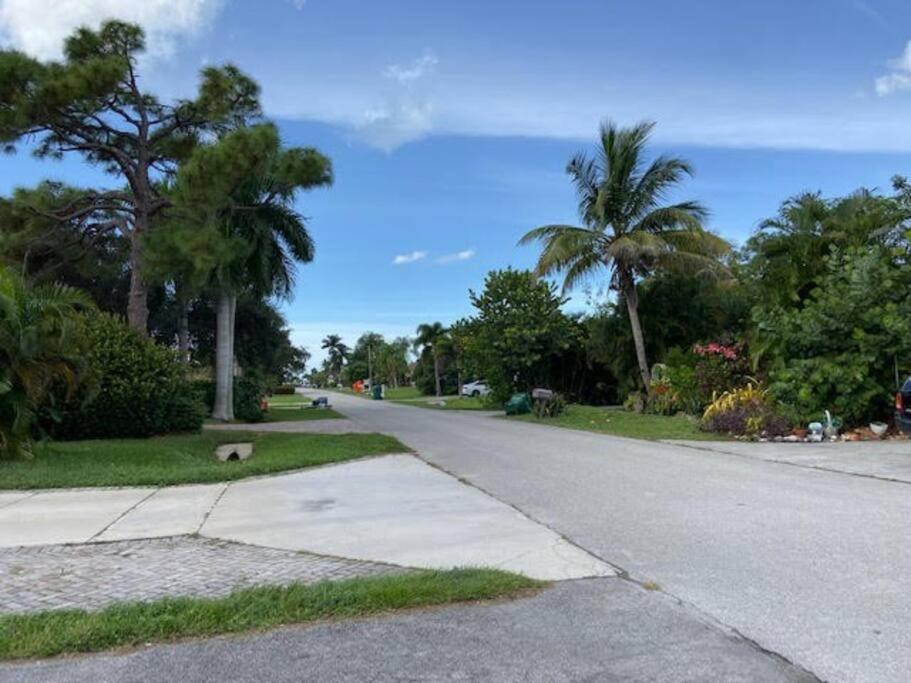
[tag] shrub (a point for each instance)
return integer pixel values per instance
(284, 390)
(248, 397)
(840, 349)
(139, 387)
(746, 411)
(719, 367)
(552, 407)
(249, 391)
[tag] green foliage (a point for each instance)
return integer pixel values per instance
(39, 347)
(139, 387)
(248, 398)
(627, 230)
(284, 390)
(552, 407)
(785, 259)
(518, 332)
(841, 349)
(746, 411)
(249, 391)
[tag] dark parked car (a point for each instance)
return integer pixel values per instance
(903, 407)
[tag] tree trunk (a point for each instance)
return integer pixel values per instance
(183, 329)
(138, 306)
(223, 408)
(632, 307)
(436, 375)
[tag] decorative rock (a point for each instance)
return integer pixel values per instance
(234, 451)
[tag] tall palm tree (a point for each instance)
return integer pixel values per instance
(430, 338)
(627, 229)
(36, 351)
(275, 237)
(338, 353)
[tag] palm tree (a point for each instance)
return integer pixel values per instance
(275, 238)
(430, 337)
(626, 228)
(36, 351)
(338, 353)
(236, 198)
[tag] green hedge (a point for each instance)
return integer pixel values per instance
(248, 395)
(136, 388)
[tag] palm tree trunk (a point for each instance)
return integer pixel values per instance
(632, 307)
(436, 375)
(223, 408)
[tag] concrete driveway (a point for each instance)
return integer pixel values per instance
(394, 509)
(814, 565)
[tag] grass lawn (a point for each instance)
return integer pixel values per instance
(402, 393)
(182, 459)
(620, 422)
(450, 403)
(53, 633)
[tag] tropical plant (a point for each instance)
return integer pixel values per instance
(843, 349)
(519, 338)
(746, 411)
(337, 354)
(786, 256)
(38, 349)
(432, 338)
(626, 228)
(240, 192)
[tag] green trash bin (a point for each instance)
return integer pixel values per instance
(519, 404)
(377, 392)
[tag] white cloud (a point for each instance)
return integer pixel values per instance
(421, 67)
(395, 124)
(406, 114)
(409, 258)
(457, 256)
(899, 78)
(39, 27)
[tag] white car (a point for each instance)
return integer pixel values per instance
(476, 388)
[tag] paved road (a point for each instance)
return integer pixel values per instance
(591, 630)
(811, 564)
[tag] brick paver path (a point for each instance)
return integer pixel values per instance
(93, 575)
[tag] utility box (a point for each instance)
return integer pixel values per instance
(519, 404)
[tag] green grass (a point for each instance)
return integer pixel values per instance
(450, 403)
(46, 634)
(624, 423)
(402, 393)
(182, 459)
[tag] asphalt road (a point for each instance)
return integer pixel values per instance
(813, 565)
(767, 572)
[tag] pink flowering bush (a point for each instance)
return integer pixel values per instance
(719, 368)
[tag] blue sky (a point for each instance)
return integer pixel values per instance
(450, 122)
